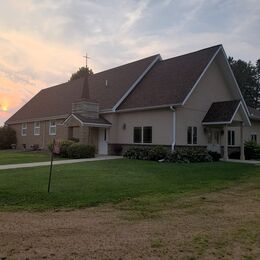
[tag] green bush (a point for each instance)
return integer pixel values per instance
(50, 146)
(77, 151)
(190, 155)
(157, 153)
(64, 145)
(252, 150)
(137, 153)
(7, 137)
(215, 156)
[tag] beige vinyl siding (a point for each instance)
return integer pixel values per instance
(160, 120)
(211, 88)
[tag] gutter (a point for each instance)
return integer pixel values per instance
(173, 127)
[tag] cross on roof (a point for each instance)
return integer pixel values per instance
(86, 57)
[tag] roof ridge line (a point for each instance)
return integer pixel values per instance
(119, 102)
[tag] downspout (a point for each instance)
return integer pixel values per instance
(173, 127)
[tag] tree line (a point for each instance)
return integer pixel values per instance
(247, 75)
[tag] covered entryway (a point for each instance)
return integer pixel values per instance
(91, 131)
(220, 121)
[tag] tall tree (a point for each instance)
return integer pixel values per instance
(81, 72)
(246, 75)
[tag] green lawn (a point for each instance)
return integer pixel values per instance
(13, 157)
(93, 183)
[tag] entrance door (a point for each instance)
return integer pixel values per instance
(102, 141)
(214, 140)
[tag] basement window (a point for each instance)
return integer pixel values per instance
(37, 128)
(52, 128)
(24, 129)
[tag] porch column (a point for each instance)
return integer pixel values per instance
(242, 148)
(225, 157)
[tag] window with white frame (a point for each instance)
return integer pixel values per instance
(52, 127)
(147, 134)
(37, 128)
(231, 137)
(254, 137)
(137, 135)
(192, 135)
(143, 134)
(24, 129)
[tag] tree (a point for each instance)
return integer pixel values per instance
(7, 137)
(247, 76)
(81, 73)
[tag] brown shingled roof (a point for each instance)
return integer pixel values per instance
(170, 81)
(57, 100)
(221, 112)
(53, 101)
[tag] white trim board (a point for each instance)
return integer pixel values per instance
(87, 124)
(202, 74)
(234, 79)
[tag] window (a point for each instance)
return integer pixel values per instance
(192, 135)
(105, 134)
(231, 137)
(254, 138)
(147, 134)
(143, 135)
(24, 129)
(137, 134)
(37, 128)
(52, 128)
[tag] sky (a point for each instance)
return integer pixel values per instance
(43, 42)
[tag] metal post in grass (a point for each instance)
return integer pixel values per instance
(52, 152)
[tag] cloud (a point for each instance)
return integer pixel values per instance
(42, 42)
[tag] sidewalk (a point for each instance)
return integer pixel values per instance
(243, 161)
(39, 164)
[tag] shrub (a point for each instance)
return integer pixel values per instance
(252, 150)
(64, 145)
(117, 149)
(50, 146)
(74, 139)
(77, 151)
(194, 155)
(215, 156)
(7, 137)
(157, 153)
(137, 153)
(35, 147)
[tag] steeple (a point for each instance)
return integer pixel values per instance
(85, 88)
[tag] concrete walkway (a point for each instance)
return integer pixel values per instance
(39, 164)
(243, 161)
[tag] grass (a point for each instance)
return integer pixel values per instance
(13, 157)
(93, 183)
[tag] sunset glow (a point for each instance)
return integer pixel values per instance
(4, 108)
(43, 42)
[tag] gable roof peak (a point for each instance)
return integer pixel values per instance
(126, 64)
(218, 46)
